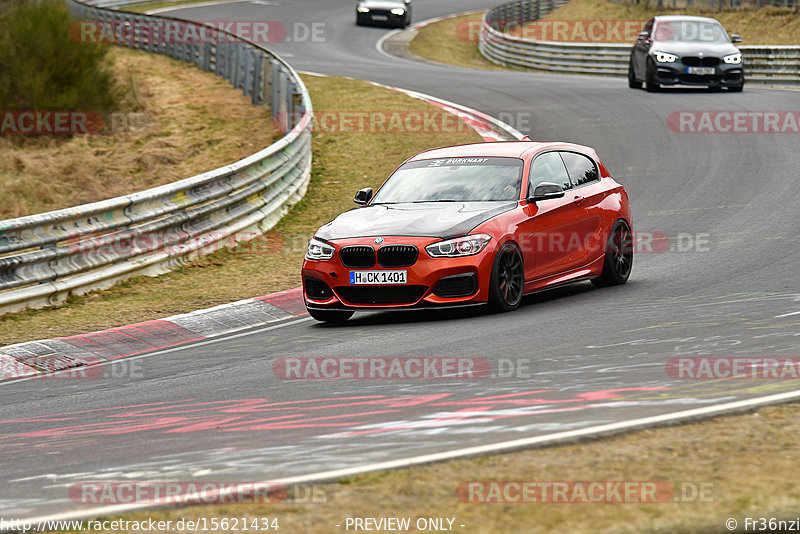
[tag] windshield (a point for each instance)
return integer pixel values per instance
(690, 31)
(473, 179)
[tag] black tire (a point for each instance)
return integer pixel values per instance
(618, 261)
(330, 316)
(650, 83)
(508, 279)
(736, 88)
(633, 83)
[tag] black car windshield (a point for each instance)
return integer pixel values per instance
(469, 179)
(691, 31)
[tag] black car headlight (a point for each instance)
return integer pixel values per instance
(460, 246)
(318, 250)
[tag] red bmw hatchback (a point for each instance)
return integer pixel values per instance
(472, 224)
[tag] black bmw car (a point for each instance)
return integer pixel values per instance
(684, 50)
(384, 12)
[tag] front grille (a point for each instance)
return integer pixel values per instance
(694, 61)
(460, 285)
(397, 255)
(381, 294)
(358, 257)
(317, 289)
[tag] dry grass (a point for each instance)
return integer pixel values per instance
(343, 163)
(748, 463)
(769, 25)
(452, 41)
(183, 122)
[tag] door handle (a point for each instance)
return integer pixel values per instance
(577, 199)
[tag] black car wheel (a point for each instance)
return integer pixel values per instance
(633, 83)
(619, 257)
(651, 85)
(508, 279)
(736, 88)
(330, 316)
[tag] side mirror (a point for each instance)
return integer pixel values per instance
(363, 196)
(546, 191)
(644, 36)
(736, 38)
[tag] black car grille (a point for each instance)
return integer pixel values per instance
(397, 255)
(358, 257)
(694, 61)
(460, 285)
(317, 289)
(381, 294)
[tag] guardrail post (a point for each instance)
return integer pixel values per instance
(248, 73)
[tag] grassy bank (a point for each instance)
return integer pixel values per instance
(183, 122)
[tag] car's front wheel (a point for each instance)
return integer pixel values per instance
(650, 83)
(619, 256)
(736, 88)
(633, 83)
(508, 279)
(330, 316)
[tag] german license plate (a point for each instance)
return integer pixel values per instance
(700, 70)
(382, 18)
(378, 277)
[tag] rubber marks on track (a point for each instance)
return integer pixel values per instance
(48, 355)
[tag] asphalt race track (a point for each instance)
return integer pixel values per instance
(721, 280)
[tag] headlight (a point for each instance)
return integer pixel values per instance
(733, 59)
(398, 11)
(362, 9)
(663, 57)
(317, 250)
(461, 246)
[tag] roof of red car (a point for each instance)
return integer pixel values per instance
(511, 149)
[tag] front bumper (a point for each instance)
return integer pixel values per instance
(381, 18)
(677, 74)
(431, 282)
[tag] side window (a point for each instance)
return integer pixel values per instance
(648, 27)
(582, 170)
(548, 167)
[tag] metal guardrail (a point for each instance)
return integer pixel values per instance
(763, 64)
(46, 257)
